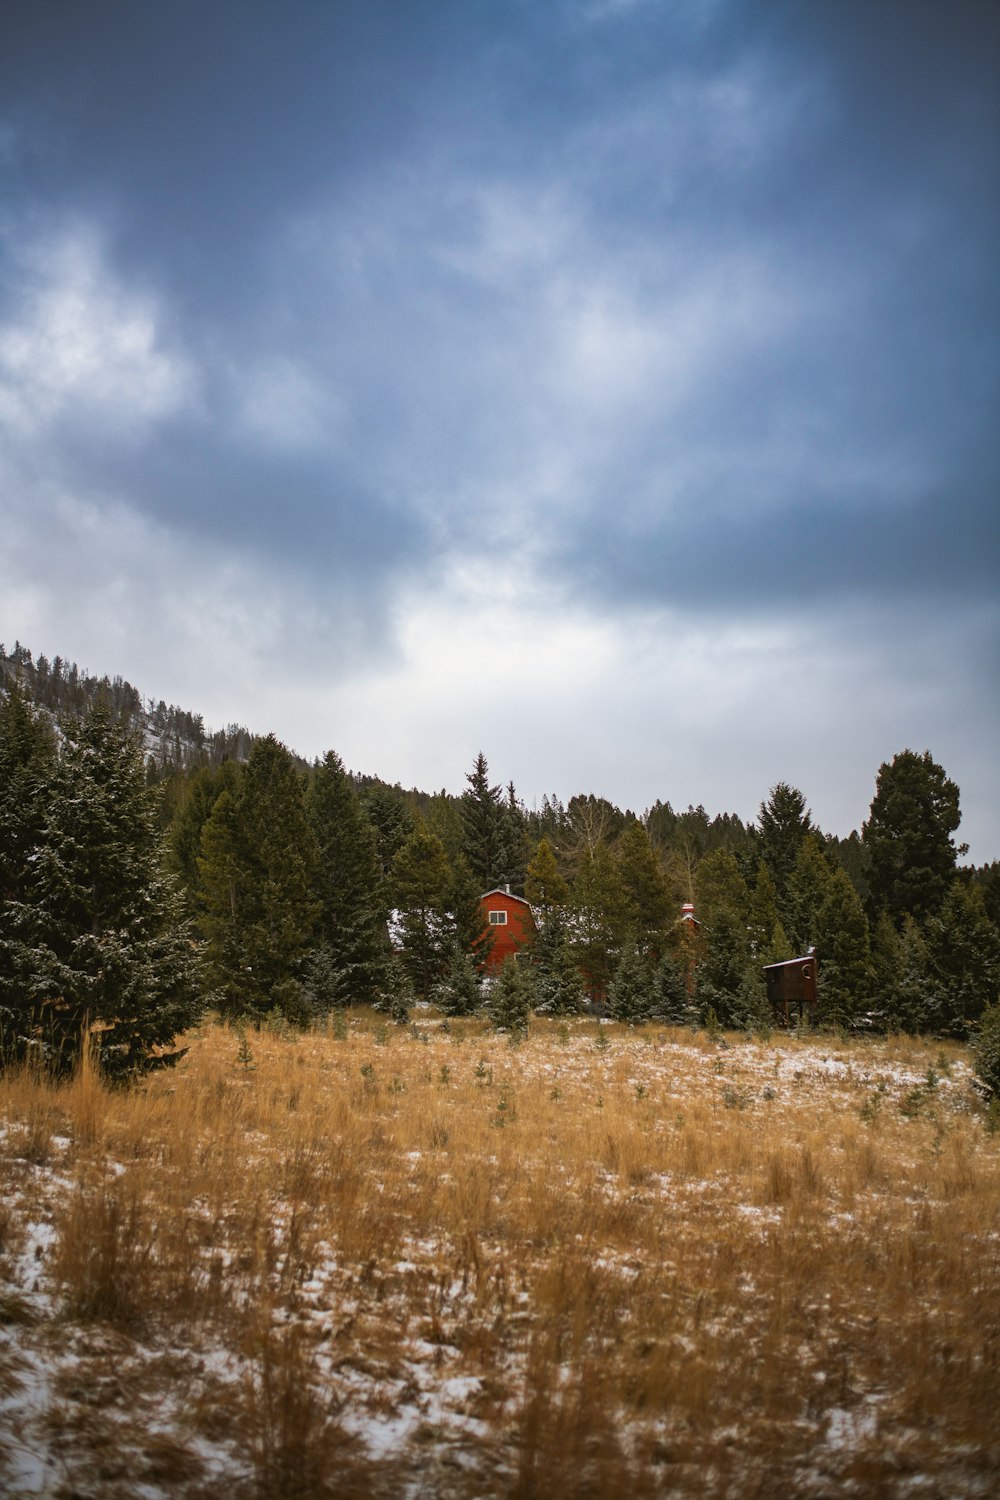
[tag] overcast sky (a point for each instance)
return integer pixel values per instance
(608, 385)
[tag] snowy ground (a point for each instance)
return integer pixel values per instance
(412, 1370)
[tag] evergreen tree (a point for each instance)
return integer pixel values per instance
(393, 822)
(906, 994)
(487, 829)
(646, 899)
(986, 1052)
(510, 995)
(671, 1002)
(844, 951)
(720, 975)
(630, 994)
(202, 791)
(517, 840)
(963, 949)
(460, 992)
(348, 886)
(27, 753)
(558, 984)
(544, 886)
(908, 836)
(763, 914)
(398, 996)
(257, 872)
(720, 887)
(92, 934)
(782, 824)
(807, 888)
(470, 929)
(423, 882)
(598, 919)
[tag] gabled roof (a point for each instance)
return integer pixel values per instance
(507, 895)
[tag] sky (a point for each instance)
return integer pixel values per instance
(611, 386)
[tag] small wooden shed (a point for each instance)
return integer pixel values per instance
(791, 988)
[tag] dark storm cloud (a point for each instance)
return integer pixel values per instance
(846, 152)
(672, 311)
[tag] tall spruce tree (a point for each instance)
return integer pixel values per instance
(558, 983)
(27, 753)
(807, 888)
(257, 872)
(544, 886)
(630, 993)
(913, 814)
(782, 824)
(487, 829)
(646, 898)
(423, 883)
(510, 997)
(671, 1001)
(963, 949)
(92, 940)
(597, 918)
(348, 887)
(844, 951)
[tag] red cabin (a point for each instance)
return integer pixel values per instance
(511, 924)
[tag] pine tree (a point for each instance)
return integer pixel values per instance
(671, 1002)
(720, 975)
(392, 820)
(630, 994)
(782, 824)
(906, 994)
(558, 984)
(720, 886)
(763, 913)
(94, 940)
(398, 996)
(423, 883)
(198, 798)
(963, 949)
(348, 886)
(807, 888)
(27, 753)
(646, 900)
(986, 1052)
(486, 821)
(913, 814)
(844, 951)
(544, 886)
(598, 919)
(509, 1000)
(257, 872)
(460, 992)
(469, 927)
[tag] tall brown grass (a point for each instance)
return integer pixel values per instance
(660, 1266)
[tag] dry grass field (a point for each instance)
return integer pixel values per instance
(380, 1261)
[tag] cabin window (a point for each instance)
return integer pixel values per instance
(498, 919)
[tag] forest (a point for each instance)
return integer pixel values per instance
(150, 870)
(589, 1223)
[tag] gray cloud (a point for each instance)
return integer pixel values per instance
(661, 307)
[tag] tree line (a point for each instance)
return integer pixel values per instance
(130, 898)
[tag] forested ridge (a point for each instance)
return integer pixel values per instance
(150, 868)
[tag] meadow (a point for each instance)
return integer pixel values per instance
(392, 1261)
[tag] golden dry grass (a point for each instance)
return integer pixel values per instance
(427, 1262)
